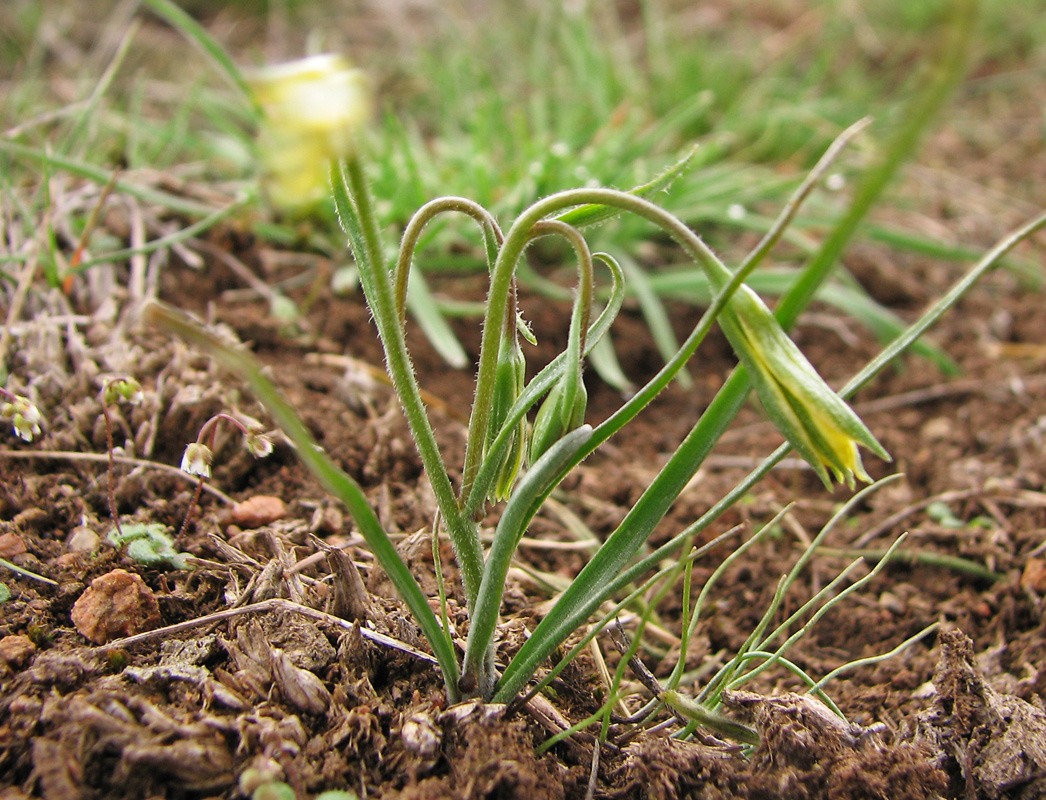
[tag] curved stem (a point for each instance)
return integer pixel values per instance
(205, 437)
(516, 240)
(412, 234)
(540, 384)
(784, 219)
(111, 471)
(586, 284)
(582, 311)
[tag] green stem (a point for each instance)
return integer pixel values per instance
(516, 240)
(380, 297)
(412, 233)
(26, 573)
(582, 311)
(538, 386)
(102, 176)
(525, 502)
(930, 559)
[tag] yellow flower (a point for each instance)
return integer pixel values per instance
(822, 428)
(313, 108)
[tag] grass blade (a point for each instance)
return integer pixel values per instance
(333, 478)
(182, 22)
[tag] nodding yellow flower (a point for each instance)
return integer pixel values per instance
(818, 423)
(313, 108)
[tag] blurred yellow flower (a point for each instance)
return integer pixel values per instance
(313, 108)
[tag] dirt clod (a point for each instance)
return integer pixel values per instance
(1034, 575)
(11, 545)
(254, 512)
(116, 604)
(16, 650)
(993, 745)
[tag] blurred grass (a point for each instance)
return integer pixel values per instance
(502, 102)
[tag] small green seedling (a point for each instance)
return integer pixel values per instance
(274, 790)
(941, 513)
(149, 543)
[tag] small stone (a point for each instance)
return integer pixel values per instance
(1034, 576)
(258, 511)
(11, 545)
(67, 561)
(115, 605)
(83, 540)
(16, 650)
(937, 428)
(421, 735)
(891, 602)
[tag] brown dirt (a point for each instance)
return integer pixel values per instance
(320, 705)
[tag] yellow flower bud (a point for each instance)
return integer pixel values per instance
(313, 108)
(822, 428)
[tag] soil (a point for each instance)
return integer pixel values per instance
(322, 702)
(281, 653)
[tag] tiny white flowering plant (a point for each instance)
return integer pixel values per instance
(116, 390)
(510, 459)
(22, 413)
(198, 456)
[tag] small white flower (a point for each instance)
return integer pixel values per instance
(197, 460)
(25, 417)
(559, 149)
(258, 444)
(835, 182)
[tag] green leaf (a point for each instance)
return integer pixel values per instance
(592, 213)
(423, 308)
(332, 477)
(148, 543)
